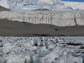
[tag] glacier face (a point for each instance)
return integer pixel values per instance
(57, 18)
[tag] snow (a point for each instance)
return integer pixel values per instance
(47, 50)
(47, 1)
(4, 3)
(49, 4)
(75, 5)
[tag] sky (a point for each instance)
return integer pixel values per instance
(74, 0)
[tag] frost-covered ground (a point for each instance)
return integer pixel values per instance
(41, 49)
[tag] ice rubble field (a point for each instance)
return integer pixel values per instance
(41, 50)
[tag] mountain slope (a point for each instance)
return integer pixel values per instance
(15, 28)
(3, 9)
(4, 3)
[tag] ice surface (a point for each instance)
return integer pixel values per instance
(37, 50)
(4, 3)
(42, 4)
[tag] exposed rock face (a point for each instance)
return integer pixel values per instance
(58, 18)
(3, 9)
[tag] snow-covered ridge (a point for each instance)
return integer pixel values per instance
(58, 18)
(4, 3)
(38, 4)
(74, 5)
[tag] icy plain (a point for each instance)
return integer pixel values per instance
(40, 50)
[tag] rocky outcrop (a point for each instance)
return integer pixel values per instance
(58, 18)
(3, 9)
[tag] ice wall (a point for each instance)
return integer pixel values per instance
(58, 18)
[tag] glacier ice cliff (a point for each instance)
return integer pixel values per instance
(58, 18)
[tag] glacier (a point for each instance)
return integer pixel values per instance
(42, 4)
(38, 50)
(4, 3)
(32, 5)
(18, 5)
(57, 18)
